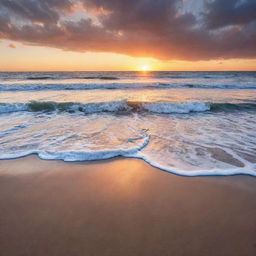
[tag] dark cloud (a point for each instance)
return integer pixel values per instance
(146, 28)
(46, 11)
(134, 14)
(230, 12)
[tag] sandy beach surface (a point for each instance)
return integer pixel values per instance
(122, 207)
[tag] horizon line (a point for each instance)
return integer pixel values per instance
(148, 71)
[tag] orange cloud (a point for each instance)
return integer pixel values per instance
(12, 46)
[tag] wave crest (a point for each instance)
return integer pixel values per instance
(124, 106)
(180, 108)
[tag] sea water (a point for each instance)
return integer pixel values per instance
(188, 123)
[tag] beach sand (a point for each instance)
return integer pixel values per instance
(122, 207)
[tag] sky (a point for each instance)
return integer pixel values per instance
(127, 35)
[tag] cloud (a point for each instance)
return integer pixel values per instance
(230, 12)
(47, 11)
(12, 46)
(145, 28)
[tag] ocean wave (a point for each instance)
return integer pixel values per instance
(180, 108)
(53, 86)
(68, 86)
(79, 77)
(49, 106)
(39, 77)
(232, 106)
(113, 106)
(124, 106)
(13, 107)
(101, 77)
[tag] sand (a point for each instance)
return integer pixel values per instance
(122, 207)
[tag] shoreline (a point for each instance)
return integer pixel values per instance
(214, 173)
(122, 206)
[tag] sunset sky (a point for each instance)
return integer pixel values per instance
(127, 35)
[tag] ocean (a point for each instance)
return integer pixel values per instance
(187, 123)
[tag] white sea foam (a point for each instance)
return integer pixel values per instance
(124, 106)
(12, 107)
(113, 106)
(193, 145)
(182, 108)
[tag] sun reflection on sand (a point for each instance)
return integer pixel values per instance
(117, 181)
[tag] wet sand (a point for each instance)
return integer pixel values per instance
(122, 207)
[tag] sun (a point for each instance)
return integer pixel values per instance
(144, 68)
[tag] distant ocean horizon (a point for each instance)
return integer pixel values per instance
(185, 122)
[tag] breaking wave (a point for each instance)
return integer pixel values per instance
(125, 106)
